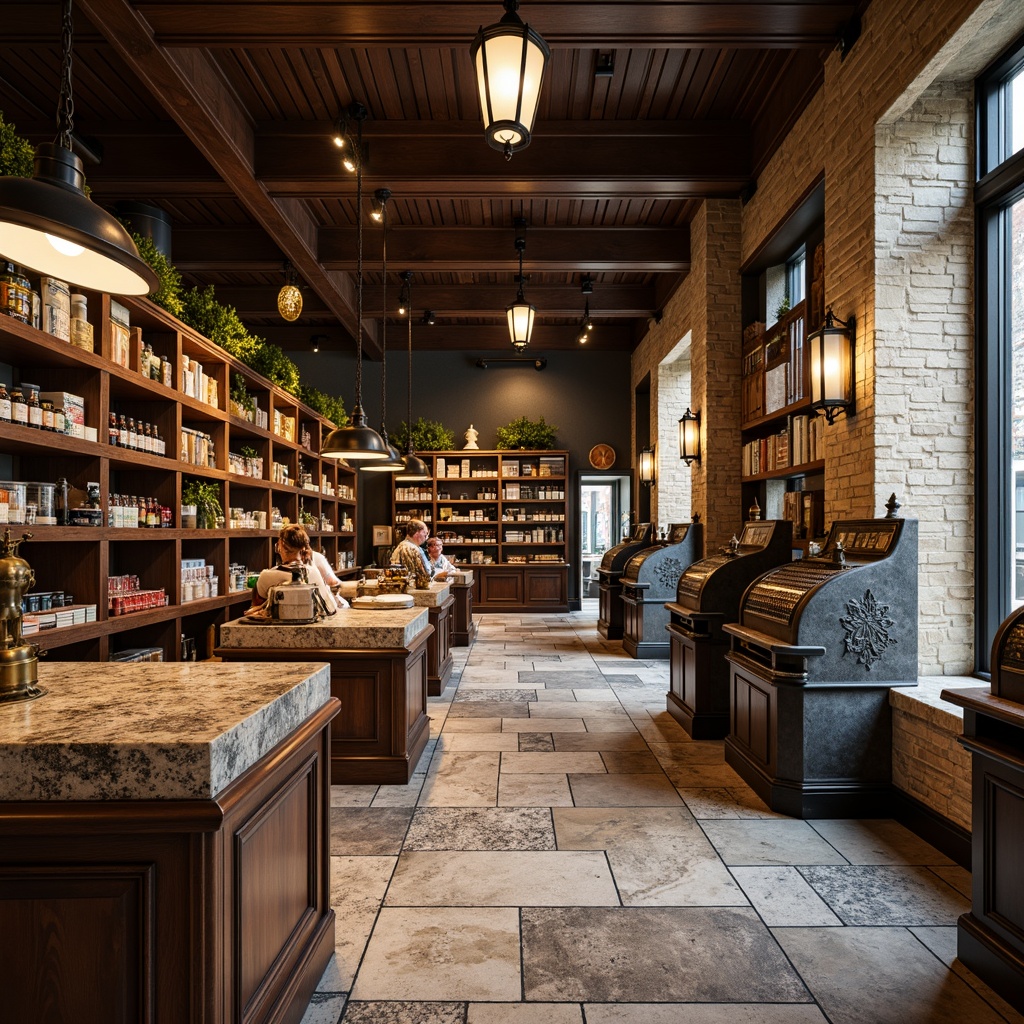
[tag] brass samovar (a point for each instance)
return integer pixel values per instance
(19, 664)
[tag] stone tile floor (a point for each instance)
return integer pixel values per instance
(565, 854)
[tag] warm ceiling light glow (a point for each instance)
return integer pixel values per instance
(509, 58)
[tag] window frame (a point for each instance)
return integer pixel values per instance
(999, 186)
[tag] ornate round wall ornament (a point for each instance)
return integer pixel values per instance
(602, 456)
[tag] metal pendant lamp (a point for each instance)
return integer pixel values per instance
(393, 463)
(289, 298)
(509, 58)
(414, 468)
(357, 441)
(520, 313)
(47, 222)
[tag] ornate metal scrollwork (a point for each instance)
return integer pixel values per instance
(867, 629)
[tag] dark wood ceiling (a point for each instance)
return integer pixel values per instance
(220, 113)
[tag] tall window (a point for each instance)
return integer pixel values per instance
(999, 196)
(796, 270)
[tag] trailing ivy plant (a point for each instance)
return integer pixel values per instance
(427, 436)
(16, 152)
(168, 295)
(240, 394)
(534, 435)
(223, 326)
(327, 405)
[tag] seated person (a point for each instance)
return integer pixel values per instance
(293, 546)
(410, 553)
(440, 566)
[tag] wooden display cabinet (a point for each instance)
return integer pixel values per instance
(78, 560)
(504, 519)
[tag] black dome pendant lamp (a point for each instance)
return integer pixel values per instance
(414, 468)
(357, 441)
(47, 222)
(393, 463)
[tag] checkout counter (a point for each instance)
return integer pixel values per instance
(707, 597)
(379, 668)
(609, 575)
(648, 581)
(819, 644)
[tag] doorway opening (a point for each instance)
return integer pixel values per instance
(604, 504)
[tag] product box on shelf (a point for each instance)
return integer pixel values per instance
(120, 333)
(56, 299)
(73, 407)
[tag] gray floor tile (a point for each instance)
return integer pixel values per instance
(562, 679)
(490, 709)
(702, 1013)
(492, 694)
(890, 895)
(368, 831)
(880, 976)
(536, 742)
(775, 841)
(878, 841)
(481, 828)
(405, 1013)
(633, 954)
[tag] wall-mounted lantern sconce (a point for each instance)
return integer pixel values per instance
(832, 367)
(689, 437)
(646, 467)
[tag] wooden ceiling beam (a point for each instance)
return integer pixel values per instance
(736, 23)
(196, 97)
(437, 250)
(485, 300)
(594, 164)
(474, 339)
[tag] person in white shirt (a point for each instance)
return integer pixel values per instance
(293, 546)
(440, 566)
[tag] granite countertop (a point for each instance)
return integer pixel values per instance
(150, 731)
(463, 578)
(347, 628)
(432, 596)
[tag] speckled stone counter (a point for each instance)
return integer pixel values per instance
(349, 627)
(379, 667)
(143, 807)
(464, 628)
(197, 728)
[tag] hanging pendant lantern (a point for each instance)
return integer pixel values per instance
(509, 58)
(289, 298)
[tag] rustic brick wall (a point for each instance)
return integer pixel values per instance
(927, 761)
(674, 488)
(706, 307)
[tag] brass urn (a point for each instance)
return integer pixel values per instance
(19, 663)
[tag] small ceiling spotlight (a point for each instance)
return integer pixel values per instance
(428, 317)
(404, 299)
(353, 150)
(380, 202)
(604, 66)
(315, 342)
(586, 324)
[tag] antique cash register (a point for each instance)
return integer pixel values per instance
(708, 596)
(648, 581)
(819, 644)
(609, 575)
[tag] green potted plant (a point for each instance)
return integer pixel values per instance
(427, 436)
(168, 295)
(205, 496)
(327, 405)
(16, 152)
(527, 434)
(243, 405)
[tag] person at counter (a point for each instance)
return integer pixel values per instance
(410, 554)
(440, 567)
(293, 546)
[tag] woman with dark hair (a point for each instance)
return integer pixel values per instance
(293, 547)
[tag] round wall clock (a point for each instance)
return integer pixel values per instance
(602, 456)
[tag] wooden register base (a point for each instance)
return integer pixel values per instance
(439, 647)
(464, 629)
(698, 695)
(173, 911)
(610, 620)
(382, 727)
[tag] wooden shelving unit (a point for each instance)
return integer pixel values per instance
(501, 517)
(79, 559)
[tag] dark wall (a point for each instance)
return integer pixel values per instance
(584, 394)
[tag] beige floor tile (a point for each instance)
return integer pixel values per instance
(352, 796)
(542, 763)
(428, 953)
(505, 878)
(599, 741)
(524, 1013)
(468, 779)
(472, 725)
(358, 885)
(620, 723)
(539, 723)
(623, 791)
(463, 741)
(534, 791)
(702, 1013)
